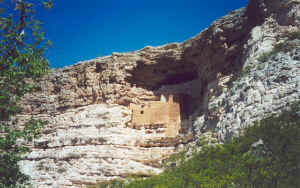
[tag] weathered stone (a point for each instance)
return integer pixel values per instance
(88, 139)
(93, 144)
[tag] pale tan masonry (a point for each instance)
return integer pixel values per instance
(162, 112)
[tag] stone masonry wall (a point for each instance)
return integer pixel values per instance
(87, 140)
(165, 114)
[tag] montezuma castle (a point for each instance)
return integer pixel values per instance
(164, 113)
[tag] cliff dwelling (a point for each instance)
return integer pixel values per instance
(165, 113)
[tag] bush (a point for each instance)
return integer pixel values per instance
(267, 55)
(22, 48)
(267, 155)
(293, 35)
(283, 46)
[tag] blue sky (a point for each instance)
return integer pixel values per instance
(86, 29)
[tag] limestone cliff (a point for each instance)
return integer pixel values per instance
(89, 138)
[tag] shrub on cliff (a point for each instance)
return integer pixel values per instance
(266, 155)
(282, 46)
(22, 47)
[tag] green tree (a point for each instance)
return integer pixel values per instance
(22, 62)
(266, 155)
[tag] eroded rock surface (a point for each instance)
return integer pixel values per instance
(88, 139)
(264, 89)
(91, 144)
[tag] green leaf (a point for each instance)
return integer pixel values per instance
(47, 4)
(22, 57)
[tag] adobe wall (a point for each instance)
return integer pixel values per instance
(174, 120)
(189, 94)
(158, 112)
(154, 112)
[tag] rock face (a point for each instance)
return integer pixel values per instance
(164, 114)
(227, 83)
(265, 89)
(91, 144)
